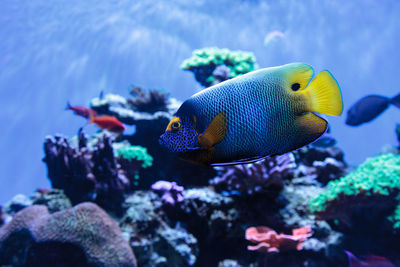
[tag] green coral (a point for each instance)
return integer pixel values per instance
(136, 153)
(376, 177)
(205, 60)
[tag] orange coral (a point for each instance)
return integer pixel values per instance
(267, 240)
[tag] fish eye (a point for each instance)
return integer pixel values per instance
(176, 126)
(295, 86)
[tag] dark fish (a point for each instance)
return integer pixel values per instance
(80, 110)
(368, 108)
(368, 261)
(265, 112)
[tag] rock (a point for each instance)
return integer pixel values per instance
(81, 236)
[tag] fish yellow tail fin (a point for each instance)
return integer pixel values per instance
(323, 94)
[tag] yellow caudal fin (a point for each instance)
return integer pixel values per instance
(323, 95)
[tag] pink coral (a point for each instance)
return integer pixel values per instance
(267, 240)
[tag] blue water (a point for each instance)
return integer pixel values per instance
(54, 51)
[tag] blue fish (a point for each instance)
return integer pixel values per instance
(368, 108)
(265, 112)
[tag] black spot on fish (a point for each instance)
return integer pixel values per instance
(295, 86)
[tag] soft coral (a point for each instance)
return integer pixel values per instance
(267, 240)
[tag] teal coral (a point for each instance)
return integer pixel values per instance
(204, 61)
(136, 153)
(376, 179)
(395, 218)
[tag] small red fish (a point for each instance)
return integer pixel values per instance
(81, 110)
(368, 261)
(106, 122)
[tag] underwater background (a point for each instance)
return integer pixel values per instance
(76, 51)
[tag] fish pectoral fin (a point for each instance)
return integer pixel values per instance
(309, 128)
(323, 95)
(215, 132)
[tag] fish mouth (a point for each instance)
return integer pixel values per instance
(162, 142)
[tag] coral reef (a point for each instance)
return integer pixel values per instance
(81, 236)
(200, 221)
(171, 192)
(363, 205)
(375, 183)
(84, 173)
(128, 113)
(55, 200)
(132, 159)
(154, 242)
(320, 164)
(135, 155)
(267, 240)
(211, 65)
(148, 101)
(262, 177)
(174, 213)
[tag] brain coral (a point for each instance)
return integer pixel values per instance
(374, 185)
(81, 236)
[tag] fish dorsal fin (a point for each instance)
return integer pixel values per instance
(215, 132)
(323, 95)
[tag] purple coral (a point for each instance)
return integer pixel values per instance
(171, 192)
(248, 179)
(86, 174)
(81, 236)
(221, 73)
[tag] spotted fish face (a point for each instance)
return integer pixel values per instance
(180, 135)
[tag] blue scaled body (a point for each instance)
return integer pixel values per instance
(258, 114)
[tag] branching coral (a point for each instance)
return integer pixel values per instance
(267, 240)
(148, 101)
(259, 177)
(154, 242)
(81, 236)
(373, 186)
(322, 164)
(171, 192)
(131, 160)
(205, 62)
(136, 155)
(84, 173)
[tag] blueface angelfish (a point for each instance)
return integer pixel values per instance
(259, 114)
